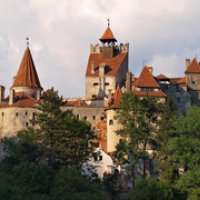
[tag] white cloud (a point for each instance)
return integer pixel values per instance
(162, 32)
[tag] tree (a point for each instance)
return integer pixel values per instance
(39, 161)
(190, 183)
(70, 185)
(64, 138)
(185, 145)
(166, 165)
(150, 189)
(139, 119)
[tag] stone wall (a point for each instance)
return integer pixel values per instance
(112, 126)
(92, 85)
(90, 114)
(13, 119)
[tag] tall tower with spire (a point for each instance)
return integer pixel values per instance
(107, 66)
(27, 79)
(18, 109)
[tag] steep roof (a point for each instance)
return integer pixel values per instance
(108, 36)
(146, 79)
(117, 98)
(27, 75)
(193, 67)
(112, 64)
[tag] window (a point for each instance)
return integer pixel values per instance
(110, 122)
(26, 113)
(77, 116)
(177, 87)
(178, 100)
(147, 89)
(85, 118)
(95, 84)
(101, 118)
(94, 117)
(33, 118)
(107, 83)
(26, 124)
(2, 114)
(17, 114)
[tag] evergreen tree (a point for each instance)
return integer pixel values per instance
(64, 138)
(139, 119)
(166, 165)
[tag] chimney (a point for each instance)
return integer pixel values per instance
(2, 93)
(92, 68)
(11, 97)
(102, 67)
(38, 94)
(187, 63)
(151, 70)
(129, 77)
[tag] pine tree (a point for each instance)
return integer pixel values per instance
(63, 138)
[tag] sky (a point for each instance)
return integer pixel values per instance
(160, 33)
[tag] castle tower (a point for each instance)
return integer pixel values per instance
(107, 66)
(193, 80)
(27, 80)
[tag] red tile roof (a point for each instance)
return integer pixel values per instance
(146, 79)
(108, 36)
(21, 100)
(193, 67)
(151, 94)
(182, 81)
(27, 75)
(113, 64)
(175, 80)
(117, 98)
(162, 77)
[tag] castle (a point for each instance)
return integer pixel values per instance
(107, 78)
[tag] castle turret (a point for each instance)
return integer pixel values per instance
(27, 78)
(193, 80)
(104, 79)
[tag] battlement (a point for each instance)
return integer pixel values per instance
(98, 49)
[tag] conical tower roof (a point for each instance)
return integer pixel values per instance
(108, 36)
(193, 67)
(27, 75)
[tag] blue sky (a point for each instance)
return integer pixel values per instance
(160, 33)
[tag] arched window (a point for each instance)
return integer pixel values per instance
(110, 122)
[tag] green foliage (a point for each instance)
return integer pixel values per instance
(34, 166)
(190, 183)
(188, 124)
(150, 189)
(70, 185)
(64, 138)
(139, 118)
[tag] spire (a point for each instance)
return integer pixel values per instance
(27, 41)
(27, 75)
(108, 35)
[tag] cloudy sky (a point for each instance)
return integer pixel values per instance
(161, 33)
